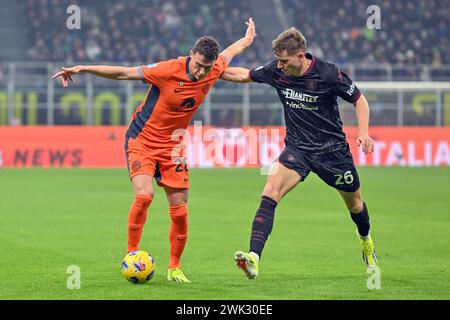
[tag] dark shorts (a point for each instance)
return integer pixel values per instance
(336, 168)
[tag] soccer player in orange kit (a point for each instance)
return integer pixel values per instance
(152, 141)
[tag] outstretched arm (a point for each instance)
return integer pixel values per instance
(362, 114)
(239, 46)
(110, 72)
(236, 74)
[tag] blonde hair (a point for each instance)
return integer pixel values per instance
(291, 40)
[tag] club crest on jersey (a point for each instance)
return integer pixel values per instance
(135, 165)
(311, 84)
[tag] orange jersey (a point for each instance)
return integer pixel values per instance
(171, 100)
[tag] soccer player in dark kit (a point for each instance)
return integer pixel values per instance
(308, 89)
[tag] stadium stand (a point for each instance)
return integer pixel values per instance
(412, 32)
(134, 31)
(413, 44)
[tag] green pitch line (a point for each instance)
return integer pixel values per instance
(53, 219)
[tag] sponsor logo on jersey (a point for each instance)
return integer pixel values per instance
(351, 90)
(294, 95)
(152, 65)
(206, 88)
(185, 106)
(188, 103)
(302, 106)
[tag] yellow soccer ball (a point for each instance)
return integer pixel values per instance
(138, 267)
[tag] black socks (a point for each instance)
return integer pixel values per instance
(262, 224)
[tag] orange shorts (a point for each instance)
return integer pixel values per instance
(167, 165)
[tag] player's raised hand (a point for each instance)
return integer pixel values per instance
(242, 44)
(251, 29)
(366, 143)
(66, 75)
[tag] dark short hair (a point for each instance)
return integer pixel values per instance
(291, 40)
(208, 47)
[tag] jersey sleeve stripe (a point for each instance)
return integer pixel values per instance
(250, 74)
(356, 98)
(142, 116)
(141, 75)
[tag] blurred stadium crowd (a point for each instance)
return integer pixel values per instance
(413, 44)
(135, 31)
(412, 32)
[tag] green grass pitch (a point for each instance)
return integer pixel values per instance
(52, 219)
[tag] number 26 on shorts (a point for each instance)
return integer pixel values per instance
(181, 166)
(346, 178)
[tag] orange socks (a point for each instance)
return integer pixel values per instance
(178, 227)
(136, 220)
(178, 233)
